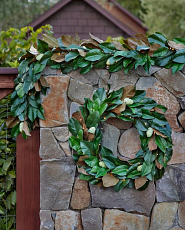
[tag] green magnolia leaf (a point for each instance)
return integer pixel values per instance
(107, 47)
(147, 64)
(140, 125)
(121, 184)
(106, 152)
(177, 67)
(93, 119)
(121, 53)
(146, 169)
(179, 40)
(20, 92)
(179, 56)
(66, 68)
(100, 94)
(32, 113)
(165, 60)
(74, 126)
(149, 158)
(86, 69)
(161, 143)
(74, 143)
(113, 60)
(42, 46)
(116, 66)
(87, 147)
(101, 172)
(70, 56)
(134, 174)
(92, 161)
(86, 177)
(94, 55)
(108, 162)
(158, 38)
(129, 67)
(102, 61)
(121, 170)
(160, 52)
(126, 62)
(38, 68)
(18, 109)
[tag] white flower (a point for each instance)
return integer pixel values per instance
(139, 168)
(102, 164)
(149, 132)
(21, 127)
(92, 130)
(128, 101)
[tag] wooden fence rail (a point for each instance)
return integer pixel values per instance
(27, 166)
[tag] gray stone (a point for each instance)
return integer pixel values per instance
(110, 137)
(171, 186)
(91, 77)
(92, 219)
(164, 216)
(120, 79)
(181, 119)
(68, 220)
(119, 220)
(66, 148)
(178, 156)
(175, 83)
(48, 71)
(49, 148)
(78, 91)
(141, 72)
(57, 178)
(73, 108)
(81, 195)
(129, 199)
(61, 133)
(181, 214)
(46, 221)
(146, 82)
(182, 102)
(162, 96)
(129, 143)
(104, 78)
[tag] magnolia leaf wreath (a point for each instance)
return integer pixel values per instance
(98, 164)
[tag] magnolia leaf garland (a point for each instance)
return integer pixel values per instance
(96, 163)
(69, 53)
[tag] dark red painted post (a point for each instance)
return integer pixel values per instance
(28, 182)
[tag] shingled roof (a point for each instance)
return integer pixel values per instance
(111, 10)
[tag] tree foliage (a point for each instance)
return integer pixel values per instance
(21, 12)
(165, 16)
(15, 42)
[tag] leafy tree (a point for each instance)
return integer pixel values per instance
(134, 6)
(19, 13)
(164, 16)
(15, 42)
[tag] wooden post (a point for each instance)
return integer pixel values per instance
(28, 182)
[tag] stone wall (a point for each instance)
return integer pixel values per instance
(68, 203)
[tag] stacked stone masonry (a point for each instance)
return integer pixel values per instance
(68, 203)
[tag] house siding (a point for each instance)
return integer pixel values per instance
(79, 16)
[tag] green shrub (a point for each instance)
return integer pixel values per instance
(15, 42)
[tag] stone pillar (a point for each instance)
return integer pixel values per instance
(69, 203)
